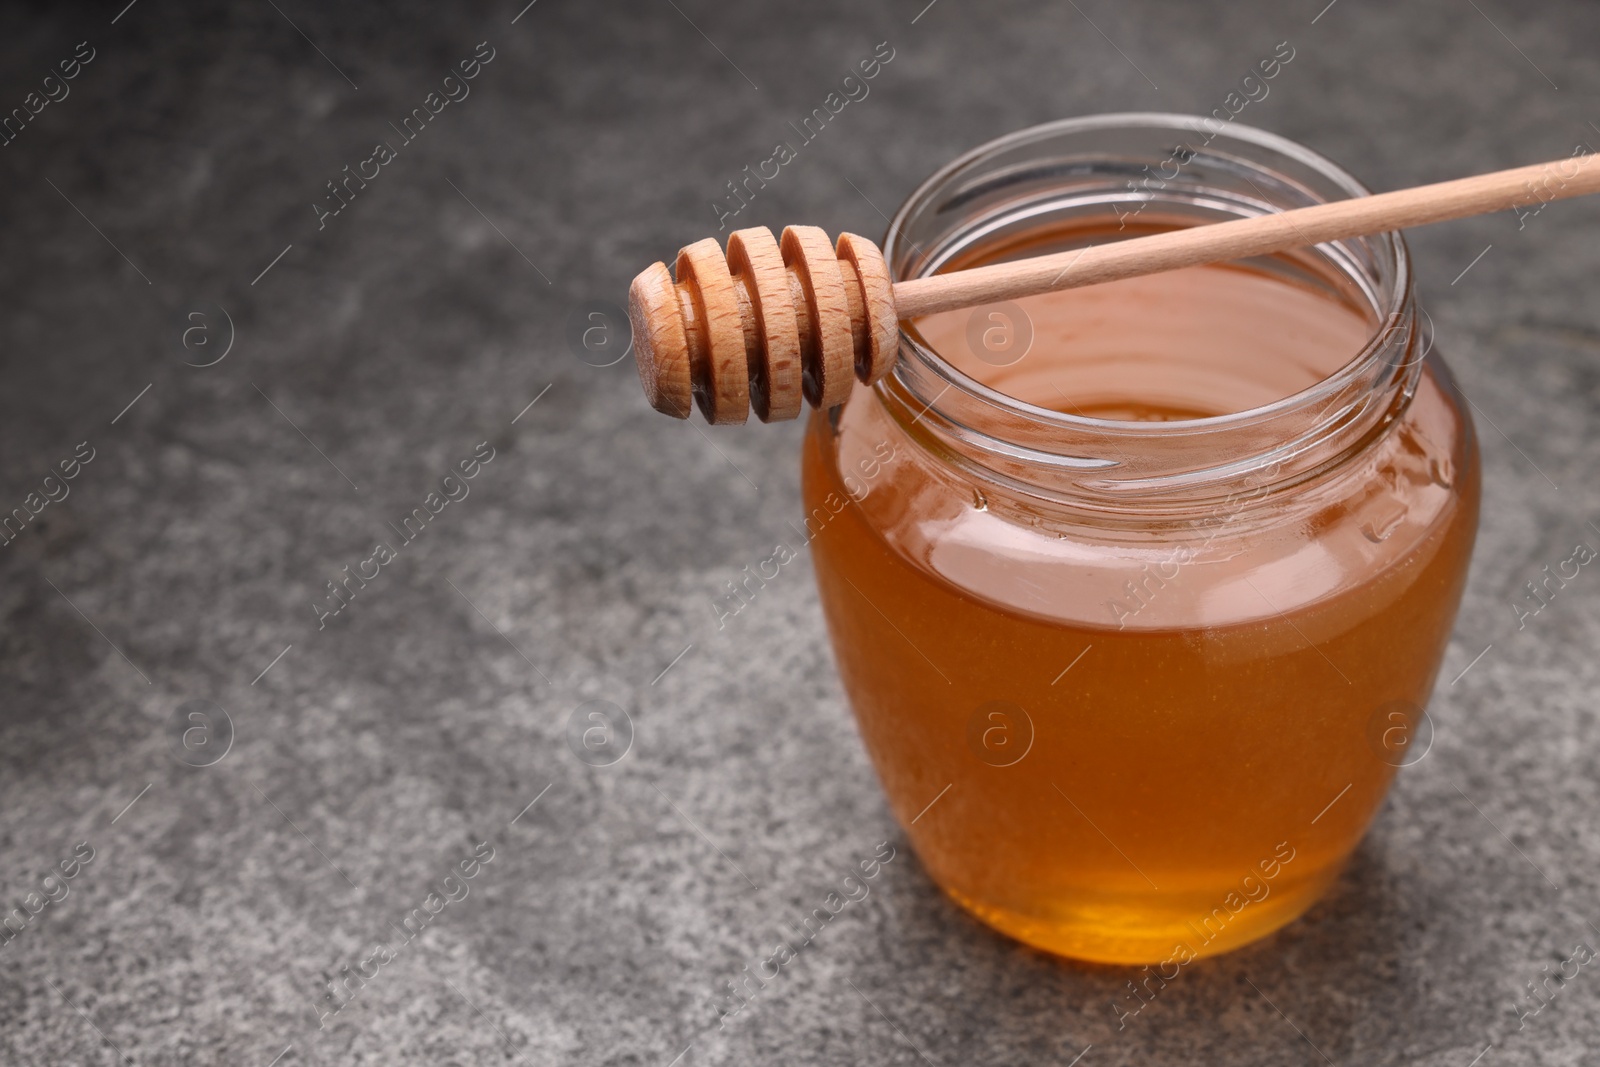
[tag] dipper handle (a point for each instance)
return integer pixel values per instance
(771, 321)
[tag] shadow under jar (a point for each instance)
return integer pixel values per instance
(1138, 591)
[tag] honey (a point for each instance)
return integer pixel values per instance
(1132, 621)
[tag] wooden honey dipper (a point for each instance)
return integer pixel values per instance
(772, 320)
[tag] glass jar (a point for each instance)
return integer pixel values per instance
(1136, 668)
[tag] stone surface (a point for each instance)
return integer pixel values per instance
(381, 349)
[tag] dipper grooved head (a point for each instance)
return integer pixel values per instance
(763, 324)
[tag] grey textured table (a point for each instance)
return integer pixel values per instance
(381, 349)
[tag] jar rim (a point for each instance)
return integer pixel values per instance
(926, 376)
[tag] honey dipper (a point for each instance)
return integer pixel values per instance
(770, 321)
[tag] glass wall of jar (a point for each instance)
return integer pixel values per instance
(1138, 591)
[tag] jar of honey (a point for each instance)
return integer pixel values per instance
(1138, 590)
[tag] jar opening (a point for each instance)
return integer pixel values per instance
(1342, 362)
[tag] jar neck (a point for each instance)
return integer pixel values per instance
(1176, 168)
